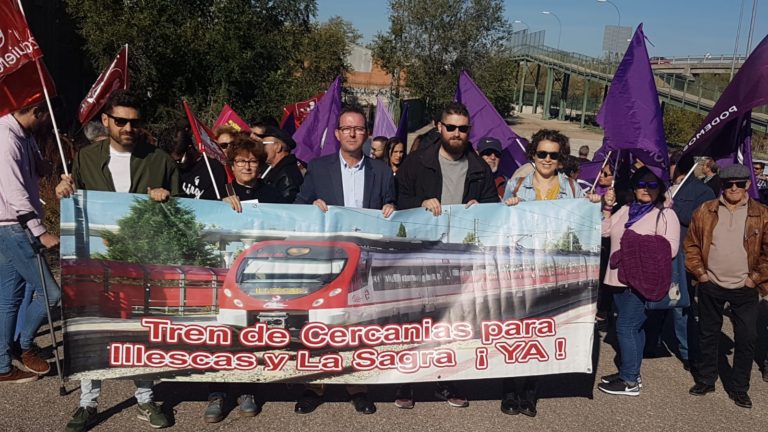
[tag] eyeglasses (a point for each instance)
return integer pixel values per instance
(741, 184)
(121, 122)
(267, 142)
(490, 153)
(241, 163)
(605, 174)
(453, 127)
(647, 185)
(347, 130)
(543, 155)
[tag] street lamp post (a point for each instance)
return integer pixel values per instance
(614, 6)
(559, 23)
(527, 27)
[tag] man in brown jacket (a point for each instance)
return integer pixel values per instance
(726, 250)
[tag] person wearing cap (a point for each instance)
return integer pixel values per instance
(282, 172)
(197, 182)
(489, 148)
(725, 250)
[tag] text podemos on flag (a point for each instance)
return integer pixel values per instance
(190, 290)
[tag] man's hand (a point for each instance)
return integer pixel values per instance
(158, 194)
(513, 201)
(66, 187)
(433, 205)
(387, 210)
(704, 279)
(49, 240)
(470, 203)
(321, 205)
(234, 202)
(749, 283)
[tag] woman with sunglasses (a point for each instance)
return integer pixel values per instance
(645, 215)
(546, 150)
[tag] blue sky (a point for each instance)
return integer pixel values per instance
(675, 27)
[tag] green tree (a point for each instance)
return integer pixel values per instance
(471, 238)
(159, 233)
(257, 55)
(569, 241)
(680, 124)
(401, 231)
(436, 39)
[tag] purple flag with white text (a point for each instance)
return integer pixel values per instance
(487, 122)
(383, 125)
(315, 137)
(631, 114)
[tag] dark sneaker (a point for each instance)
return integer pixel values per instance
(510, 406)
(404, 397)
(741, 399)
(248, 406)
(448, 393)
(18, 376)
(615, 377)
(83, 417)
(620, 387)
(700, 389)
(765, 375)
(362, 404)
(34, 362)
(152, 413)
(308, 402)
(214, 413)
(528, 407)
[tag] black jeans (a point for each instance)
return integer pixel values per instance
(744, 302)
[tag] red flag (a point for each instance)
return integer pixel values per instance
(229, 117)
(17, 45)
(300, 110)
(114, 77)
(22, 88)
(206, 143)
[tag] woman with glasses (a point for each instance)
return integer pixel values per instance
(546, 150)
(246, 157)
(645, 215)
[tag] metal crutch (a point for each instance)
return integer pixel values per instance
(39, 249)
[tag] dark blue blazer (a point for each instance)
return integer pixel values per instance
(323, 181)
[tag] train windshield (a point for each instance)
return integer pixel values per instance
(290, 271)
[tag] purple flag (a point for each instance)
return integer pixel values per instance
(487, 122)
(747, 90)
(740, 132)
(315, 137)
(383, 125)
(631, 114)
(402, 126)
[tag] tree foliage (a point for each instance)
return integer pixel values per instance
(569, 242)
(401, 231)
(159, 233)
(680, 124)
(257, 55)
(435, 39)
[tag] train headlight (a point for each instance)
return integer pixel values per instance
(238, 303)
(317, 302)
(335, 292)
(227, 292)
(297, 251)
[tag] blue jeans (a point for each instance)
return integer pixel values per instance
(630, 333)
(18, 269)
(90, 390)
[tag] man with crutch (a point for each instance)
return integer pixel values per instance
(21, 165)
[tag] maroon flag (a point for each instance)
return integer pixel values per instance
(17, 45)
(22, 88)
(206, 143)
(229, 117)
(299, 111)
(114, 77)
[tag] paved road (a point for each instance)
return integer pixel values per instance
(569, 403)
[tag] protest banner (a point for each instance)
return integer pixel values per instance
(289, 293)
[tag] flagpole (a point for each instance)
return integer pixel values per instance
(210, 172)
(605, 161)
(616, 167)
(681, 183)
(125, 81)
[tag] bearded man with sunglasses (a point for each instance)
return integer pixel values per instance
(725, 249)
(449, 173)
(123, 162)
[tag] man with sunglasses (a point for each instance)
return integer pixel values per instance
(448, 173)
(725, 249)
(121, 163)
(124, 162)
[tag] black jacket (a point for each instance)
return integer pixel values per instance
(285, 178)
(420, 178)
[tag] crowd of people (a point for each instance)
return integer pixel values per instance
(706, 237)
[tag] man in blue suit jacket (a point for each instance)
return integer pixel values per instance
(349, 178)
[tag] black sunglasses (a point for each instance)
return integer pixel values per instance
(741, 184)
(605, 174)
(647, 185)
(490, 152)
(453, 127)
(121, 122)
(541, 154)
